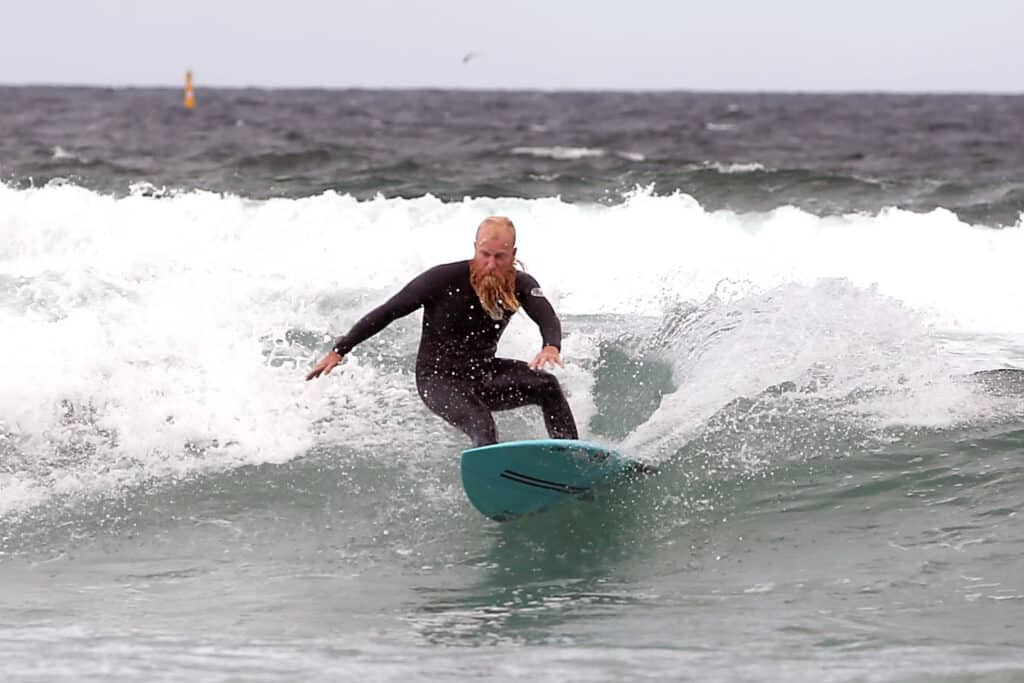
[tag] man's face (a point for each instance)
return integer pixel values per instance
(492, 272)
(494, 254)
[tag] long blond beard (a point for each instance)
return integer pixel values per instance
(497, 293)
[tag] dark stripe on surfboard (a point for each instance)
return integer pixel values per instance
(541, 483)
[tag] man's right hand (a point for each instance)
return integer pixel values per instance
(325, 366)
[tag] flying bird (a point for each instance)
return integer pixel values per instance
(469, 56)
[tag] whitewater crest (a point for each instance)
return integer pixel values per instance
(156, 335)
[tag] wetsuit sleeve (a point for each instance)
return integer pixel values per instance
(411, 297)
(536, 305)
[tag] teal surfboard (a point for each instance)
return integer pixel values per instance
(508, 480)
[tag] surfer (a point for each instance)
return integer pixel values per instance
(466, 307)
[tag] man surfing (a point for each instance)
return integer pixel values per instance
(466, 307)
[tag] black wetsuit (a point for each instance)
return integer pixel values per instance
(457, 374)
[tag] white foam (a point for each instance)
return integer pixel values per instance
(156, 318)
(718, 127)
(573, 153)
(560, 153)
(734, 168)
(865, 356)
(631, 156)
(61, 153)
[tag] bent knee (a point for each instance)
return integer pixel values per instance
(546, 382)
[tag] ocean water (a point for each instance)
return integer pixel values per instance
(803, 308)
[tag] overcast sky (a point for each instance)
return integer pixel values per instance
(815, 45)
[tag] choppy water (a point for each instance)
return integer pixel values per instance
(824, 359)
(828, 154)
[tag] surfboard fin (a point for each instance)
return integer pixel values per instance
(637, 467)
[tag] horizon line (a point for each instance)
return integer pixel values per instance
(523, 89)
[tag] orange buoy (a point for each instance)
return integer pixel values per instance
(190, 95)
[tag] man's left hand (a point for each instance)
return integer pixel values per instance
(548, 356)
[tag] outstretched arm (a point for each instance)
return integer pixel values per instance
(411, 297)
